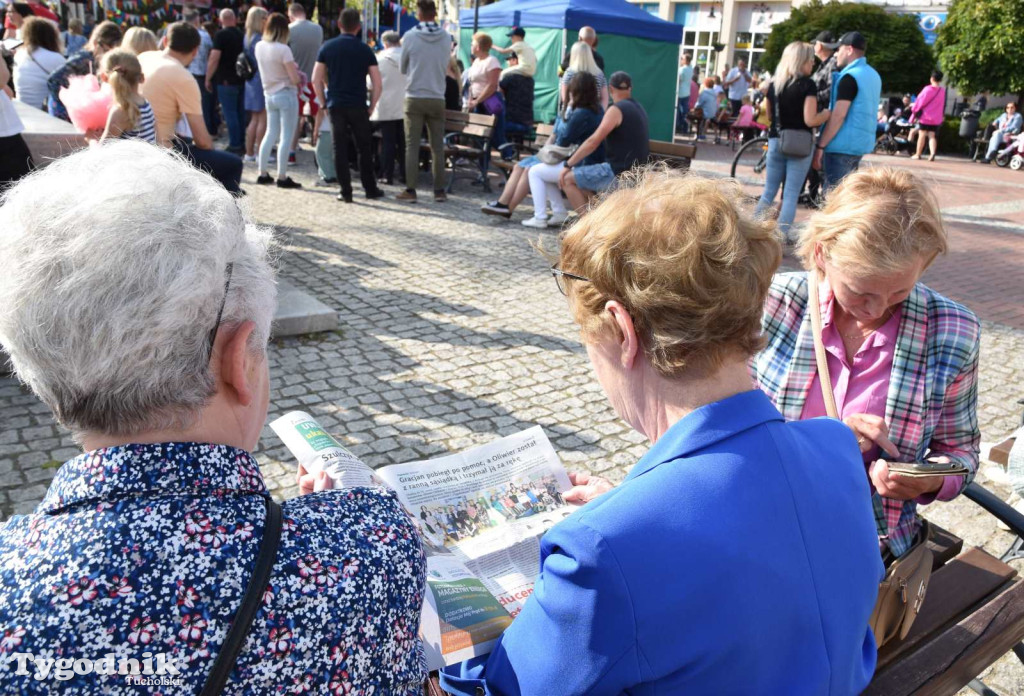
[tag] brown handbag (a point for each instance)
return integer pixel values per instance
(901, 593)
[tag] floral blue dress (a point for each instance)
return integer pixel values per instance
(144, 552)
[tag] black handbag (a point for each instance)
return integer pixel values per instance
(224, 664)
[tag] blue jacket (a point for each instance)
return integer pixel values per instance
(857, 134)
(739, 556)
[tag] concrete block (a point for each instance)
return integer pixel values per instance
(298, 313)
(47, 137)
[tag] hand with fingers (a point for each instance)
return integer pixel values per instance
(586, 487)
(891, 484)
(870, 431)
(873, 430)
(313, 483)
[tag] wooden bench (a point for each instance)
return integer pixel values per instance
(675, 155)
(466, 138)
(972, 615)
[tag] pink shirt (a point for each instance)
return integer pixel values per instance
(862, 385)
(930, 105)
(746, 117)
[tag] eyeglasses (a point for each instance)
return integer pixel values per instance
(560, 277)
(220, 312)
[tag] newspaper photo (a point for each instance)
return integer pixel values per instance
(481, 514)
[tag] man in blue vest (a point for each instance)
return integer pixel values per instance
(850, 131)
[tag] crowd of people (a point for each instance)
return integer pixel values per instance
(467, 517)
(258, 78)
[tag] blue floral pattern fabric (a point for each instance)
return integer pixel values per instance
(146, 550)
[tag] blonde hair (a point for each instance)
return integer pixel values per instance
(483, 41)
(255, 20)
(139, 40)
(124, 75)
(877, 220)
(690, 266)
(790, 66)
(581, 59)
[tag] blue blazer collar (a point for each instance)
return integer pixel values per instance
(706, 426)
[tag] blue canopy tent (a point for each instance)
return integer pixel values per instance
(630, 39)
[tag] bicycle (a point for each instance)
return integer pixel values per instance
(751, 161)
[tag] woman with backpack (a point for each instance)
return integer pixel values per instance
(793, 106)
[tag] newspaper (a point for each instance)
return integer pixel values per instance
(481, 514)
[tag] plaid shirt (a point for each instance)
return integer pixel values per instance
(932, 405)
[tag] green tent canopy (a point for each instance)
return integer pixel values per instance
(630, 39)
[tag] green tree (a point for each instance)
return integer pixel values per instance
(981, 45)
(896, 47)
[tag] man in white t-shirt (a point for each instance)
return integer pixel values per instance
(737, 82)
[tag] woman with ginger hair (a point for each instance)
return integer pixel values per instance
(903, 359)
(667, 278)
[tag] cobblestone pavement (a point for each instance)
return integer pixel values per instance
(452, 332)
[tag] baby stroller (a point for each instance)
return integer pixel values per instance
(896, 138)
(1012, 155)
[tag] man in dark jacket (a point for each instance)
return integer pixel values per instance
(825, 45)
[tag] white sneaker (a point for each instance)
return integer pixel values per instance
(249, 159)
(539, 223)
(557, 218)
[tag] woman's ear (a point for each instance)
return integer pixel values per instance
(629, 343)
(819, 257)
(236, 361)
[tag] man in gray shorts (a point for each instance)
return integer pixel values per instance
(625, 132)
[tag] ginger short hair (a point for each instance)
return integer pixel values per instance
(484, 41)
(877, 220)
(687, 261)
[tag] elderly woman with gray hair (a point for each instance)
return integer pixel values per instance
(139, 313)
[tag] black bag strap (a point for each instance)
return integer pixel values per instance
(224, 664)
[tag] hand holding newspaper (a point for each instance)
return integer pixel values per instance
(481, 514)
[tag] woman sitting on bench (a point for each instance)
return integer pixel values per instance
(729, 561)
(583, 120)
(903, 359)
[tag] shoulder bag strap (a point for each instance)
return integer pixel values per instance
(814, 307)
(240, 625)
(775, 108)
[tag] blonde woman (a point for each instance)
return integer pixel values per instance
(453, 85)
(903, 359)
(280, 75)
(138, 40)
(581, 59)
(254, 100)
(792, 104)
(130, 116)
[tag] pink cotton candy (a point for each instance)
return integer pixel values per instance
(87, 102)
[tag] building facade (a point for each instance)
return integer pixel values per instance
(719, 33)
